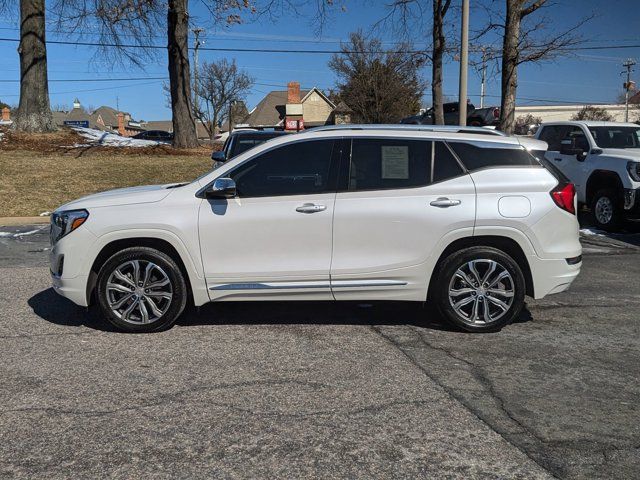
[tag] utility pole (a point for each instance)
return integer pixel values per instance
(628, 64)
(464, 63)
(483, 76)
(196, 31)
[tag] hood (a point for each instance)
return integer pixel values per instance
(622, 153)
(121, 196)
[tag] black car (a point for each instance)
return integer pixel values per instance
(155, 135)
(240, 141)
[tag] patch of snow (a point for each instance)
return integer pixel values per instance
(593, 231)
(45, 214)
(98, 137)
(24, 234)
(5, 234)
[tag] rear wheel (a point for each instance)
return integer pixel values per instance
(141, 289)
(480, 289)
(606, 206)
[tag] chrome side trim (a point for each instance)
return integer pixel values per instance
(270, 286)
(366, 283)
(297, 285)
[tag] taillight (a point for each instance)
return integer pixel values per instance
(496, 113)
(564, 196)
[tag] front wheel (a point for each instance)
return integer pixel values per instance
(141, 289)
(607, 209)
(480, 289)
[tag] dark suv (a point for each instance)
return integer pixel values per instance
(240, 141)
(476, 117)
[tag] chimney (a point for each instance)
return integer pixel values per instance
(6, 114)
(293, 92)
(121, 129)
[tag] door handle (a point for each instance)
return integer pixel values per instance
(558, 159)
(311, 208)
(444, 202)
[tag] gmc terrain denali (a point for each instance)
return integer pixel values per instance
(471, 222)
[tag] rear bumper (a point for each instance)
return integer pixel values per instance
(552, 276)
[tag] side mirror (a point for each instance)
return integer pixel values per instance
(218, 156)
(221, 188)
(570, 146)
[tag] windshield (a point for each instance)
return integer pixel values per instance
(616, 137)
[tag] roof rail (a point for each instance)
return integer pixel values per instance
(406, 127)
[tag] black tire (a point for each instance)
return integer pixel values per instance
(169, 299)
(606, 207)
(498, 316)
(475, 122)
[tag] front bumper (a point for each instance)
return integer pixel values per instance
(75, 289)
(632, 202)
(70, 265)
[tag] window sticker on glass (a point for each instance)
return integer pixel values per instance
(395, 162)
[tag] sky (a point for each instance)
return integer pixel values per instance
(588, 76)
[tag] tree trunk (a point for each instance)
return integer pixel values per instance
(34, 111)
(436, 71)
(510, 56)
(184, 125)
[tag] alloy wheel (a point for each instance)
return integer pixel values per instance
(481, 291)
(604, 210)
(139, 292)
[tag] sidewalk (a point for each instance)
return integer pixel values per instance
(13, 221)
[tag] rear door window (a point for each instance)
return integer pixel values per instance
(382, 164)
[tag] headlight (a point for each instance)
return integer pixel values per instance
(634, 170)
(63, 223)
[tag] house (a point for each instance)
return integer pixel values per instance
(103, 118)
(295, 109)
(554, 113)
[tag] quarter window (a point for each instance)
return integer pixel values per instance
(475, 157)
(380, 164)
(299, 168)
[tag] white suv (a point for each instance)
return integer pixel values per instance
(602, 159)
(471, 222)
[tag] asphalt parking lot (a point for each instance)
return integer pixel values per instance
(321, 390)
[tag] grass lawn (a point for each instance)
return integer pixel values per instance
(35, 181)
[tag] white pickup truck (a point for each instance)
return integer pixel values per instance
(602, 159)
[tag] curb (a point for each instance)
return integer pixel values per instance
(15, 221)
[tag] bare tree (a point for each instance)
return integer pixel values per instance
(526, 37)
(404, 17)
(34, 111)
(184, 125)
(589, 112)
(440, 9)
(379, 86)
(219, 84)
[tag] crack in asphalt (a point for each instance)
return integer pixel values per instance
(541, 453)
(457, 398)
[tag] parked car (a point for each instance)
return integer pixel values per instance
(155, 135)
(240, 141)
(476, 117)
(469, 222)
(602, 159)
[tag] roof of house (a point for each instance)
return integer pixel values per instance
(270, 111)
(635, 98)
(109, 115)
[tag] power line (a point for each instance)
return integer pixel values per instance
(289, 51)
